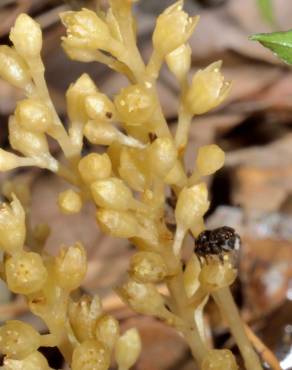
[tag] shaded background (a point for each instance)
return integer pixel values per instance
(253, 192)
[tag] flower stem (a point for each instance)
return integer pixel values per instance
(226, 304)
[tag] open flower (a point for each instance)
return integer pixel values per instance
(207, 90)
(173, 28)
(12, 226)
(85, 30)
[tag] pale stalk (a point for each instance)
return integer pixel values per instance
(182, 309)
(123, 13)
(59, 133)
(183, 128)
(132, 58)
(229, 311)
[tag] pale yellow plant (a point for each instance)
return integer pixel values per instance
(128, 183)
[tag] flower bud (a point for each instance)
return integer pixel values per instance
(85, 30)
(142, 298)
(112, 193)
(18, 339)
(128, 349)
(33, 115)
(26, 142)
(13, 68)
(69, 202)
(133, 168)
(95, 167)
(71, 266)
(176, 176)
(173, 28)
(81, 55)
(207, 90)
(135, 104)
(147, 267)
(76, 95)
(12, 226)
(99, 107)
(162, 156)
(179, 61)
(210, 159)
(103, 133)
(107, 330)
(25, 273)
(8, 161)
(192, 203)
(26, 36)
(91, 355)
(118, 224)
(100, 133)
(216, 275)
(34, 361)
(191, 275)
(83, 316)
(221, 359)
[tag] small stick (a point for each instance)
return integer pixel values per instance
(265, 353)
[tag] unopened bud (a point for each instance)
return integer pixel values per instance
(112, 193)
(162, 156)
(100, 107)
(13, 68)
(210, 159)
(25, 273)
(176, 176)
(179, 61)
(100, 133)
(26, 142)
(207, 90)
(192, 203)
(117, 223)
(173, 28)
(128, 349)
(85, 30)
(135, 104)
(91, 355)
(191, 275)
(95, 167)
(147, 267)
(69, 202)
(71, 266)
(221, 359)
(142, 298)
(8, 161)
(12, 226)
(76, 95)
(18, 339)
(133, 168)
(34, 361)
(216, 275)
(83, 316)
(103, 133)
(81, 55)
(33, 115)
(26, 36)
(107, 330)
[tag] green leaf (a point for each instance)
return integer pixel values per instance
(279, 42)
(267, 11)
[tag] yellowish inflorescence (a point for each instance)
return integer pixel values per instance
(138, 161)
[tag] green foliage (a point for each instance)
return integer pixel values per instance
(267, 10)
(280, 43)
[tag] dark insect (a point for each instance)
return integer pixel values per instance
(216, 242)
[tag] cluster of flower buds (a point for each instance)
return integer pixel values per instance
(138, 160)
(99, 338)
